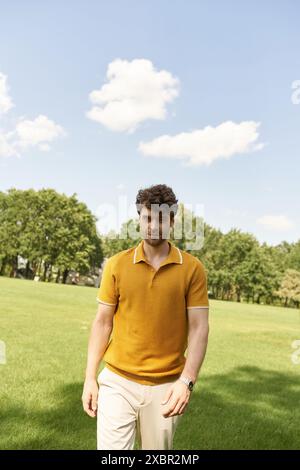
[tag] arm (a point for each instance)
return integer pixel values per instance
(197, 341)
(197, 344)
(197, 306)
(100, 333)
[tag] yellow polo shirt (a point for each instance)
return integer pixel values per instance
(150, 328)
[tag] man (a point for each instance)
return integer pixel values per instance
(153, 305)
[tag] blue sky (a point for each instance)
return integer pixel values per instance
(223, 62)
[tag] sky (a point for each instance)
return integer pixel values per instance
(103, 98)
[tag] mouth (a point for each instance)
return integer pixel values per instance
(155, 236)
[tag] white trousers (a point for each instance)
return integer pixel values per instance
(128, 410)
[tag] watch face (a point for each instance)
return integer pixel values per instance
(191, 385)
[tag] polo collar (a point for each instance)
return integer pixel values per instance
(174, 255)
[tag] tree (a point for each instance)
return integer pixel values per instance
(49, 230)
(290, 287)
(293, 257)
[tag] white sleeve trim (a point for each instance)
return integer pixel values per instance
(200, 306)
(105, 303)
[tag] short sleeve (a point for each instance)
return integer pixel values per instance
(197, 295)
(107, 292)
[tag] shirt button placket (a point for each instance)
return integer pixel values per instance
(152, 276)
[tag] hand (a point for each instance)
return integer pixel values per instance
(178, 397)
(90, 397)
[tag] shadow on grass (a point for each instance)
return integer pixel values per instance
(248, 408)
(65, 426)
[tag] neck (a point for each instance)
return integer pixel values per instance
(156, 251)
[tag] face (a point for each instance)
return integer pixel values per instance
(155, 225)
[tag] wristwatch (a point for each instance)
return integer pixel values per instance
(188, 382)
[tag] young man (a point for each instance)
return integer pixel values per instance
(153, 301)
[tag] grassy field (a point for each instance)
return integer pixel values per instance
(246, 397)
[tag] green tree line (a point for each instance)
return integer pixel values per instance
(239, 268)
(57, 234)
(54, 233)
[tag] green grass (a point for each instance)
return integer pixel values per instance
(246, 397)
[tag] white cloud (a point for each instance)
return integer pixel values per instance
(275, 222)
(5, 100)
(135, 92)
(204, 146)
(7, 149)
(38, 132)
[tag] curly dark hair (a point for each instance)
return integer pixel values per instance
(156, 194)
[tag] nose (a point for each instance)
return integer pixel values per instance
(154, 226)
(154, 229)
